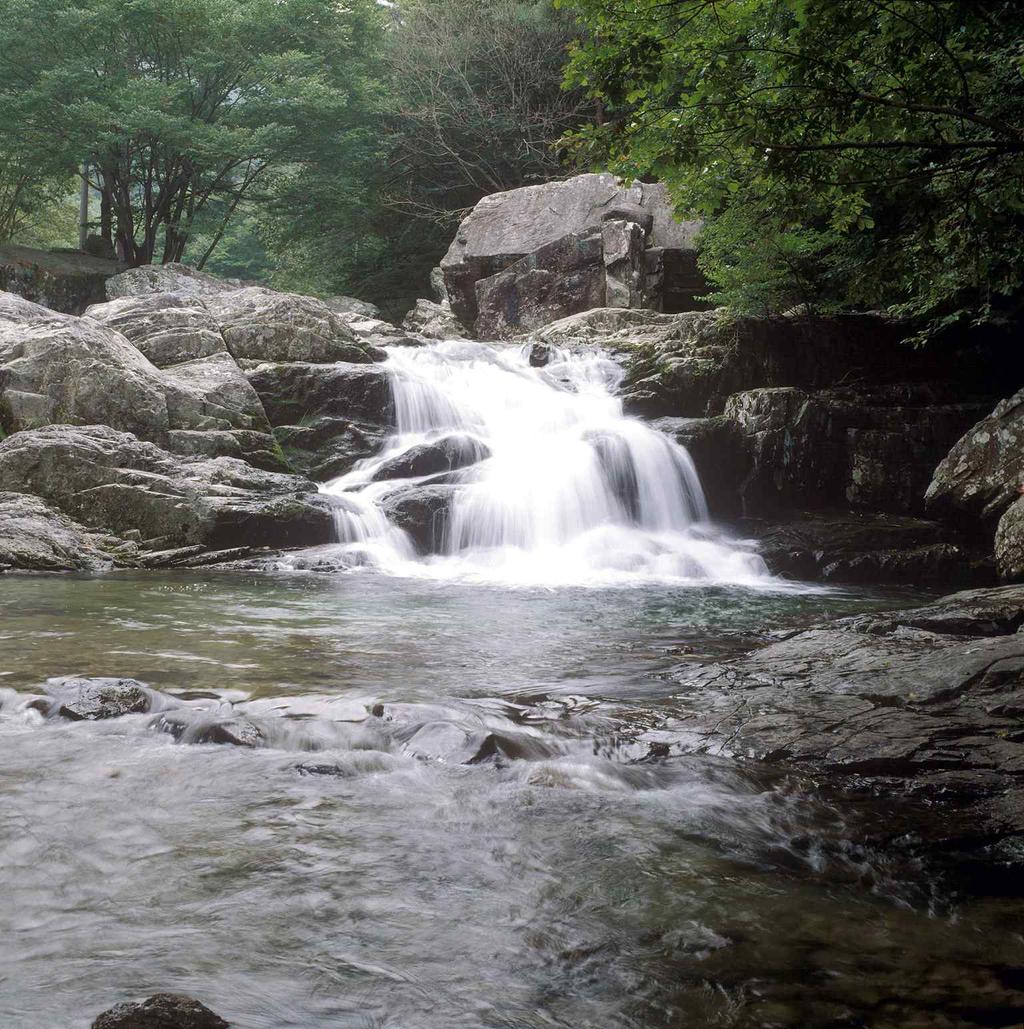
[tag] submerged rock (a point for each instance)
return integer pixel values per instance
(161, 1011)
(95, 699)
(925, 703)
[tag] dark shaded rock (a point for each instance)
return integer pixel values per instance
(36, 537)
(623, 244)
(169, 328)
(326, 417)
(906, 709)
(720, 455)
(983, 473)
(259, 324)
(690, 364)
(556, 280)
(1010, 543)
(870, 448)
(114, 481)
(443, 455)
(541, 355)
(66, 282)
(434, 320)
(297, 391)
(200, 727)
(853, 547)
(505, 227)
(161, 1011)
(423, 512)
(325, 448)
(95, 699)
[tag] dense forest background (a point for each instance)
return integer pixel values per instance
(846, 155)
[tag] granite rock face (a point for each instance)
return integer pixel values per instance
(59, 368)
(261, 325)
(161, 1011)
(169, 328)
(1009, 543)
(114, 481)
(506, 228)
(984, 472)
(36, 537)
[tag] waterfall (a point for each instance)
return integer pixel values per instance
(536, 474)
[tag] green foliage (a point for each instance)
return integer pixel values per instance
(182, 107)
(869, 152)
(471, 104)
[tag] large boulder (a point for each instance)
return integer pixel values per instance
(161, 1011)
(865, 548)
(262, 325)
(434, 320)
(424, 512)
(169, 328)
(983, 473)
(506, 227)
(169, 278)
(66, 282)
(37, 537)
(871, 449)
(326, 417)
(558, 279)
(213, 393)
(59, 368)
(447, 454)
(114, 481)
(1009, 544)
(923, 705)
(353, 306)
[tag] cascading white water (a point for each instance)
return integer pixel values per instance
(566, 490)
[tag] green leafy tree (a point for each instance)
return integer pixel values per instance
(472, 104)
(183, 108)
(859, 153)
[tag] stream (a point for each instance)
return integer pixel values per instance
(448, 822)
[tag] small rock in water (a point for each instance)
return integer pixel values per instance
(540, 355)
(93, 699)
(161, 1011)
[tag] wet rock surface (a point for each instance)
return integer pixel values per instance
(93, 699)
(444, 455)
(424, 512)
(161, 1011)
(924, 703)
(861, 547)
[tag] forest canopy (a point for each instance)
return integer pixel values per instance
(868, 153)
(845, 155)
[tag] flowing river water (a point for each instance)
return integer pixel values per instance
(448, 822)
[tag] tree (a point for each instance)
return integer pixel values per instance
(473, 105)
(183, 107)
(865, 152)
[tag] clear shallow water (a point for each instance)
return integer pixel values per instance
(561, 886)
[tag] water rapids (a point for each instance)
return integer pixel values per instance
(569, 490)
